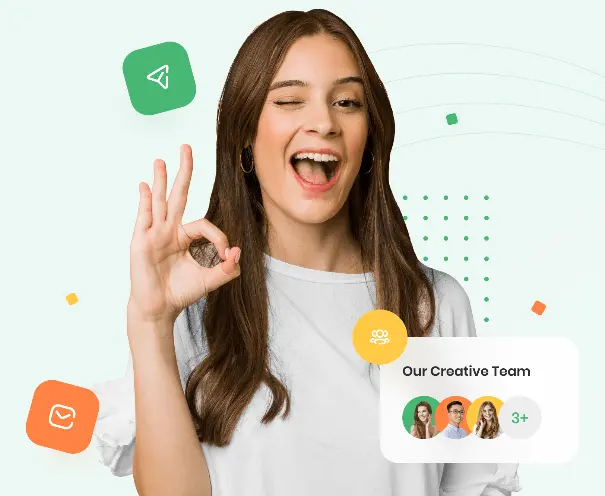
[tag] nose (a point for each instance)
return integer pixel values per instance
(320, 119)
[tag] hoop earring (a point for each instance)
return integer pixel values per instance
(251, 160)
(372, 166)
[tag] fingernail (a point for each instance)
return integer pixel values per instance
(237, 256)
(226, 252)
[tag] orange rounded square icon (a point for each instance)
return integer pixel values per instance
(62, 416)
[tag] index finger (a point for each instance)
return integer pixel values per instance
(203, 228)
(178, 193)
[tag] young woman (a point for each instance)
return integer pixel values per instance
(422, 428)
(250, 310)
(487, 425)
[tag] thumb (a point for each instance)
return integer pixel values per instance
(223, 272)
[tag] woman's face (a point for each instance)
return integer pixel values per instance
(488, 412)
(423, 413)
(312, 131)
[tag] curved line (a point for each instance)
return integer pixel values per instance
(493, 74)
(498, 133)
(502, 103)
(491, 46)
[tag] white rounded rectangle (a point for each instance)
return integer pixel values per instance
(544, 371)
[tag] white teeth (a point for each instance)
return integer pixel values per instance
(318, 157)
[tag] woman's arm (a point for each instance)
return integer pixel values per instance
(168, 458)
(480, 430)
(413, 431)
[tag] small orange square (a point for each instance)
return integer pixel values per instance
(72, 298)
(538, 307)
(62, 416)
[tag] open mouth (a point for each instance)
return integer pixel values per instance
(315, 168)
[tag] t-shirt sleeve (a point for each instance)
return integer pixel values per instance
(114, 432)
(454, 318)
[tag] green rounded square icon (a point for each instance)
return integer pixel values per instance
(159, 78)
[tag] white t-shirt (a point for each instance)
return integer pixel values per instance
(330, 443)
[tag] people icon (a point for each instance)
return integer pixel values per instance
(487, 425)
(423, 415)
(455, 414)
(380, 337)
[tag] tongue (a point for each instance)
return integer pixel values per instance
(311, 171)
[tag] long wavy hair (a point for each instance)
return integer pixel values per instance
(235, 316)
(419, 424)
(490, 431)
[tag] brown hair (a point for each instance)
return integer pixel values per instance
(490, 431)
(419, 424)
(235, 315)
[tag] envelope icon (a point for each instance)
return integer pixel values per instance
(62, 416)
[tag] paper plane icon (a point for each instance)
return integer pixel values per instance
(159, 78)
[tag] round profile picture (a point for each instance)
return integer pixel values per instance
(451, 417)
(483, 417)
(419, 417)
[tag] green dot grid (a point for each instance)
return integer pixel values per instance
(466, 238)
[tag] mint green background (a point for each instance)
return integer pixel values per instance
(408, 412)
(73, 152)
(149, 97)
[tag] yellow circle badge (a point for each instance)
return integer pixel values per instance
(380, 337)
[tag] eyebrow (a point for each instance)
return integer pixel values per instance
(304, 84)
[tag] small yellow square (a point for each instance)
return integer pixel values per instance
(72, 298)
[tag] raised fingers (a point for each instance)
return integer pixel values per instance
(158, 191)
(144, 216)
(178, 194)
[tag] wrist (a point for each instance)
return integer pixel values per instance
(134, 314)
(144, 327)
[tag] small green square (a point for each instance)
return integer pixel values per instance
(451, 119)
(159, 78)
